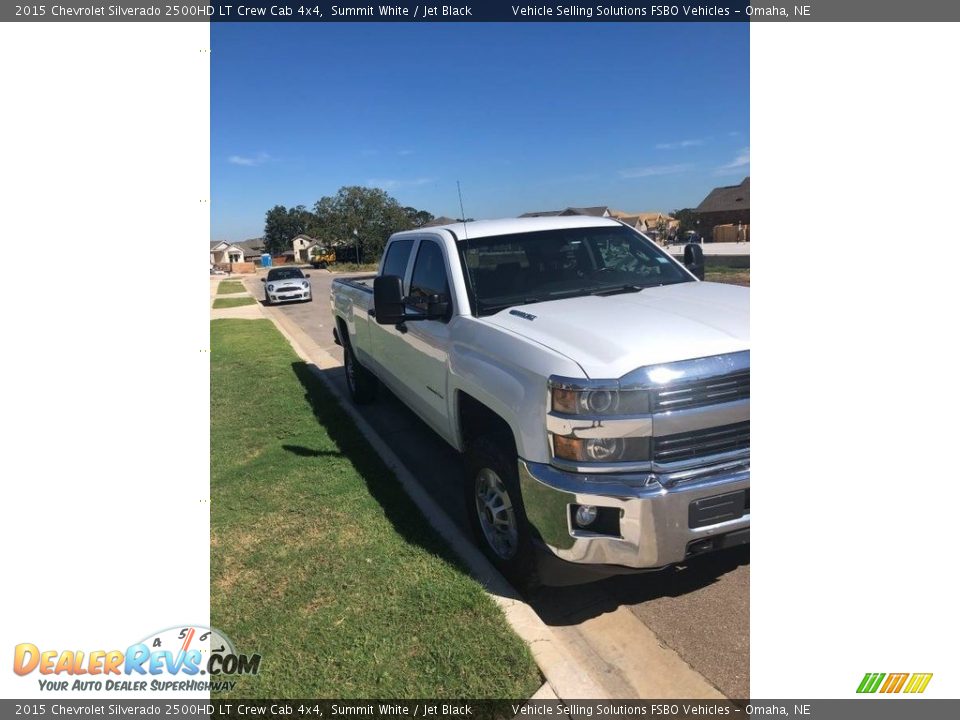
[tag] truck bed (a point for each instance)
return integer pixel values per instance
(361, 282)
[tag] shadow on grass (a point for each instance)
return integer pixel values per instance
(399, 509)
(307, 452)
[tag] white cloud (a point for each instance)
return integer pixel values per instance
(736, 165)
(680, 144)
(394, 183)
(652, 170)
(250, 160)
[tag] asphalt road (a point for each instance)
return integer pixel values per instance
(701, 611)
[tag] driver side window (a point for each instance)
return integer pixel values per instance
(429, 276)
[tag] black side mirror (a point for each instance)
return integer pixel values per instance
(693, 259)
(388, 299)
(306, 274)
(263, 280)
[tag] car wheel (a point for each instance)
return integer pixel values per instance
(360, 381)
(495, 508)
(266, 299)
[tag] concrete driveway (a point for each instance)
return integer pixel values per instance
(701, 611)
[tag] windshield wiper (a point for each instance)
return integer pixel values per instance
(617, 290)
(531, 299)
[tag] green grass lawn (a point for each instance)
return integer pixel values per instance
(233, 302)
(230, 287)
(354, 267)
(726, 274)
(318, 559)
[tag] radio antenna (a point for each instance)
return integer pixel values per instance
(466, 238)
(463, 215)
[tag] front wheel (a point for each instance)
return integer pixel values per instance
(495, 508)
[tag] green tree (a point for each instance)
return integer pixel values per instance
(688, 220)
(418, 218)
(360, 216)
(283, 225)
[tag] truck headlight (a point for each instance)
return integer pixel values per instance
(305, 284)
(601, 450)
(270, 288)
(601, 401)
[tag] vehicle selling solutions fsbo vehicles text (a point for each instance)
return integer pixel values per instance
(588, 11)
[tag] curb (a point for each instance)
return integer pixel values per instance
(564, 675)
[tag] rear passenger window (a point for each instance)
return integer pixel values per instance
(429, 276)
(397, 256)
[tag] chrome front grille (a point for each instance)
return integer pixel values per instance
(710, 391)
(700, 443)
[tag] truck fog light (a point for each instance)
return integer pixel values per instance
(585, 515)
(604, 449)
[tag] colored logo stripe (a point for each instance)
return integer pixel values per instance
(894, 682)
(870, 682)
(918, 682)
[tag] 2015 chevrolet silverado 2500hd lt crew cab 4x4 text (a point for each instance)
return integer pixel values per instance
(599, 391)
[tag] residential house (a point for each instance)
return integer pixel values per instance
(252, 249)
(225, 253)
(301, 248)
(729, 205)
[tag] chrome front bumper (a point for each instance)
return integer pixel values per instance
(654, 520)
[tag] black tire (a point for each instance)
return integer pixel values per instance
(361, 383)
(266, 298)
(498, 455)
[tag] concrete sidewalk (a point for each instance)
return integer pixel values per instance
(244, 312)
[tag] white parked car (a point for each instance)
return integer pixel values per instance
(598, 389)
(283, 284)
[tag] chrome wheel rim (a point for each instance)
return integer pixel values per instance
(495, 511)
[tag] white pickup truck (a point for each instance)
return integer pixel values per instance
(597, 388)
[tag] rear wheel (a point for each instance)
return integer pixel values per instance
(495, 507)
(360, 381)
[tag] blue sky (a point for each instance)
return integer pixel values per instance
(638, 116)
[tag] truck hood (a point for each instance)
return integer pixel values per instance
(610, 336)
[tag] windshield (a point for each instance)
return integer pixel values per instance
(526, 268)
(285, 274)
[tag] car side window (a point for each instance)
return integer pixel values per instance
(397, 256)
(429, 276)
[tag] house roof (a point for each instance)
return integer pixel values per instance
(596, 211)
(214, 244)
(542, 213)
(442, 220)
(725, 199)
